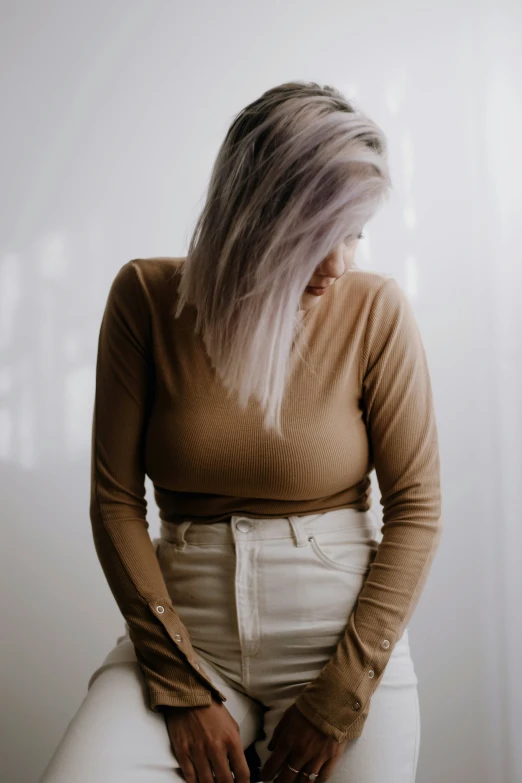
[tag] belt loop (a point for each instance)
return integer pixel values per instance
(181, 527)
(298, 528)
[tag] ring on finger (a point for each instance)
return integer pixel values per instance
(311, 775)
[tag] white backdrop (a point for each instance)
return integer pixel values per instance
(112, 113)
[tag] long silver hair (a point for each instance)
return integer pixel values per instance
(301, 169)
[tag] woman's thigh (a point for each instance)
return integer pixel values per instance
(388, 747)
(115, 737)
(292, 585)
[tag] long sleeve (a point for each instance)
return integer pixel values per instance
(399, 416)
(124, 391)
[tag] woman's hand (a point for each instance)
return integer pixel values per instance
(206, 740)
(297, 742)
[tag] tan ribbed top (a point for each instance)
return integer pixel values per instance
(362, 399)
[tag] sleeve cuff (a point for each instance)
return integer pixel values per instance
(337, 701)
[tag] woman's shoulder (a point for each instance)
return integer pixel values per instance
(368, 281)
(157, 277)
(149, 277)
(155, 268)
(364, 288)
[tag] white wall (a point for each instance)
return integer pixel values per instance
(112, 113)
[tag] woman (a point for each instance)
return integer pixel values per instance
(272, 611)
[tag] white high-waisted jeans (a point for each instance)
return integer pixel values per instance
(265, 602)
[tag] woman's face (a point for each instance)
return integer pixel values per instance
(329, 270)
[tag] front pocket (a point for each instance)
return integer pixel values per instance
(342, 551)
(167, 555)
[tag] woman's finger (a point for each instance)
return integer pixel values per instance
(188, 768)
(275, 737)
(203, 767)
(327, 769)
(238, 762)
(275, 763)
(218, 758)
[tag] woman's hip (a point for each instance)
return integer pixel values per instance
(248, 577)
(268, 600)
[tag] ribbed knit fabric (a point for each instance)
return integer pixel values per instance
(362, 399)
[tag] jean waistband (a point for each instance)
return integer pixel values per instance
(238, 527)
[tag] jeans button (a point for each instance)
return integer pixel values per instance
(243, 525)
